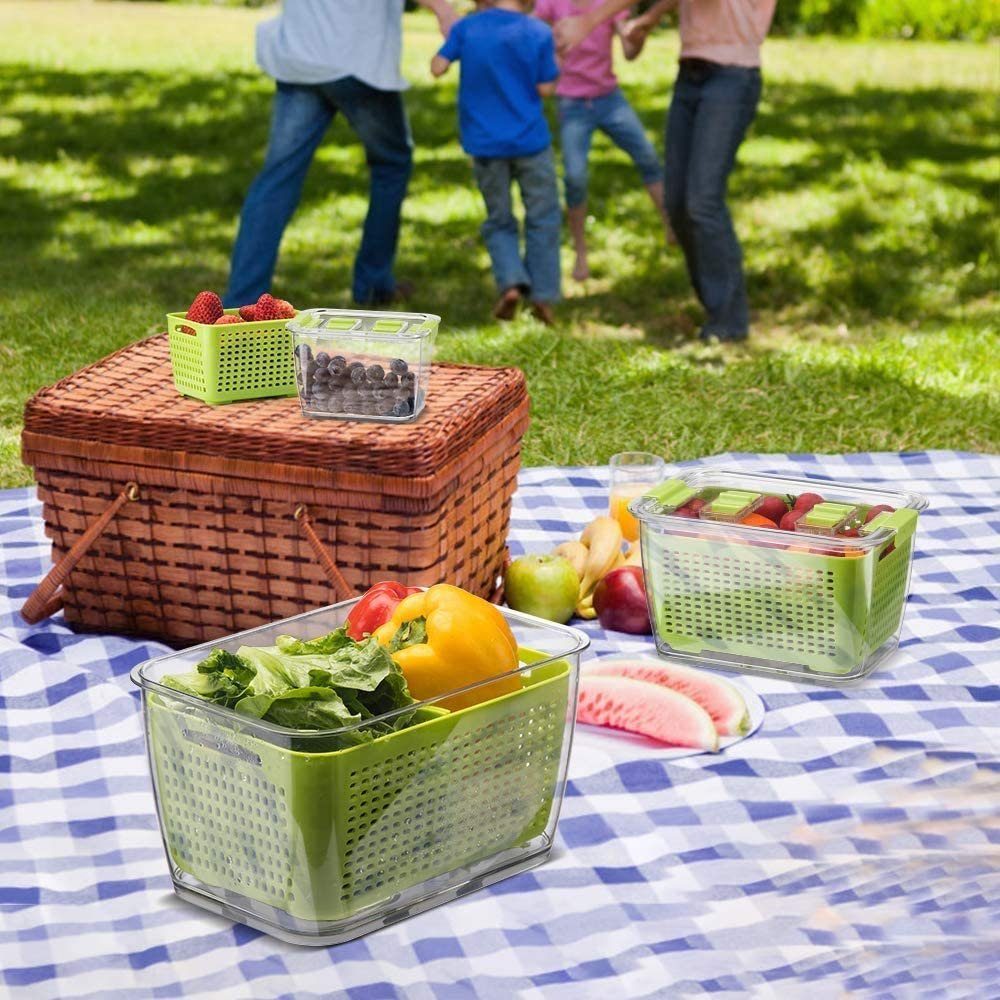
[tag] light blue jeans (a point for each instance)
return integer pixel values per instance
(536, 273)
(300, 117)
(580, 117)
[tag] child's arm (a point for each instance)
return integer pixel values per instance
(445, 14)
(570, 31)
(439, 66)
(635, 32)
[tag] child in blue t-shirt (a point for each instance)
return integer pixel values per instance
(508, 65)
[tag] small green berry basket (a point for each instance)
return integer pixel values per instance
(271, 827)
(811, 605)
(232, 361)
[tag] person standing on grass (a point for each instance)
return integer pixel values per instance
(715, 100)
(328, 56)
(508, 64)
(590, 99)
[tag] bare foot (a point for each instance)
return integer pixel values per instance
(581, 270)
(506, 307)
(542, 311)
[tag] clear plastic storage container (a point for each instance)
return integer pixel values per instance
(822, 603)
(270, 827)
(363, 365)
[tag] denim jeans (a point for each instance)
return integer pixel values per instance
(300, 117)
(612, 114)
(537, 272)
(711, 110)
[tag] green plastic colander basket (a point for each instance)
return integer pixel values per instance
(809, 607)
(316, 847)
(222, 364)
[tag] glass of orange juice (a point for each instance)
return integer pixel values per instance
(632, 474)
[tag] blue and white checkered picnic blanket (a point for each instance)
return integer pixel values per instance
(851, 847)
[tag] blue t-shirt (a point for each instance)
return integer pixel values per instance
(504, 56)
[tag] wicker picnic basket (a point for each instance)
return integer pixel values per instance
(184, 522)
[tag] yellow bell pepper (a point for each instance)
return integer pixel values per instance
(467, 640)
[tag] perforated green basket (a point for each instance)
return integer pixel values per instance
(803, 606)
(222, 364)
(263, 825)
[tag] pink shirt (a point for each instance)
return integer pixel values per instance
(730, 32)
(587, 69)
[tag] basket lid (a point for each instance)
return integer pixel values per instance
(128, 400)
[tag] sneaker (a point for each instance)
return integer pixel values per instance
(710, 336)
(402, 291)
(508, 304)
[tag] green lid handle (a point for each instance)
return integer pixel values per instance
(671, 493)
(902, 522)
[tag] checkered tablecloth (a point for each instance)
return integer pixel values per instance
(851, 847)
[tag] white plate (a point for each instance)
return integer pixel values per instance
(597, 748)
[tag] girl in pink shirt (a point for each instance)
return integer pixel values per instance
(590, 99)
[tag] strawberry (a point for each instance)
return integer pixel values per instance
(287, 309)
(806, 501)
(790, 519)
(697, 504)
(874, 512)
(227, 318)
(773, 508)
(268, 308)
(248, 313)
(685, 511)
(206, 308)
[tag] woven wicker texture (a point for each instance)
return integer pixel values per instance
(212, 546)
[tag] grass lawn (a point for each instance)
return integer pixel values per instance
(866, 196)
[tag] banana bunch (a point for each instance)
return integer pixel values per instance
(594, 554)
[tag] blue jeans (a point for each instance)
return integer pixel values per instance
(537, 272)
(300, 117)
(612, 114)
(710, 113)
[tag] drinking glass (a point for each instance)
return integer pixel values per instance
(632, 474)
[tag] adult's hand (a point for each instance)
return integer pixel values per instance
(635, 31)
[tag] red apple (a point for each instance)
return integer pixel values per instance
(874, 512)
(620, 601)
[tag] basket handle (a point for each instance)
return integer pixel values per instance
(47, 599)
(341, 587)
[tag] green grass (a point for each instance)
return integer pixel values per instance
(866, 197)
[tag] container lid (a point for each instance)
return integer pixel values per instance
(128, 400)
(735, 492)
(377, 325)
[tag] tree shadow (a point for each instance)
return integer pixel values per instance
(177, 153)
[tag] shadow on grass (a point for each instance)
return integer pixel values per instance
(180, 152)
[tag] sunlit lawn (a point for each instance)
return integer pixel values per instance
(866, 199)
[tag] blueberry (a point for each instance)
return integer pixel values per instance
(401, 408)
(385, 407)
(303, 352)
(357, 374)
(322, 375)
(375, 373)
(312, 368)
(391, 380)
(399, 366)
(408, 379)
(322, 359)
(337, 366)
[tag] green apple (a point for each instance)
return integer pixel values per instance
(545, 586)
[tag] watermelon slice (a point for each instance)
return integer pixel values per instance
(648, 709)
(717, 696)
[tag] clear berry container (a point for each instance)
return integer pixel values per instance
(357, 365)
